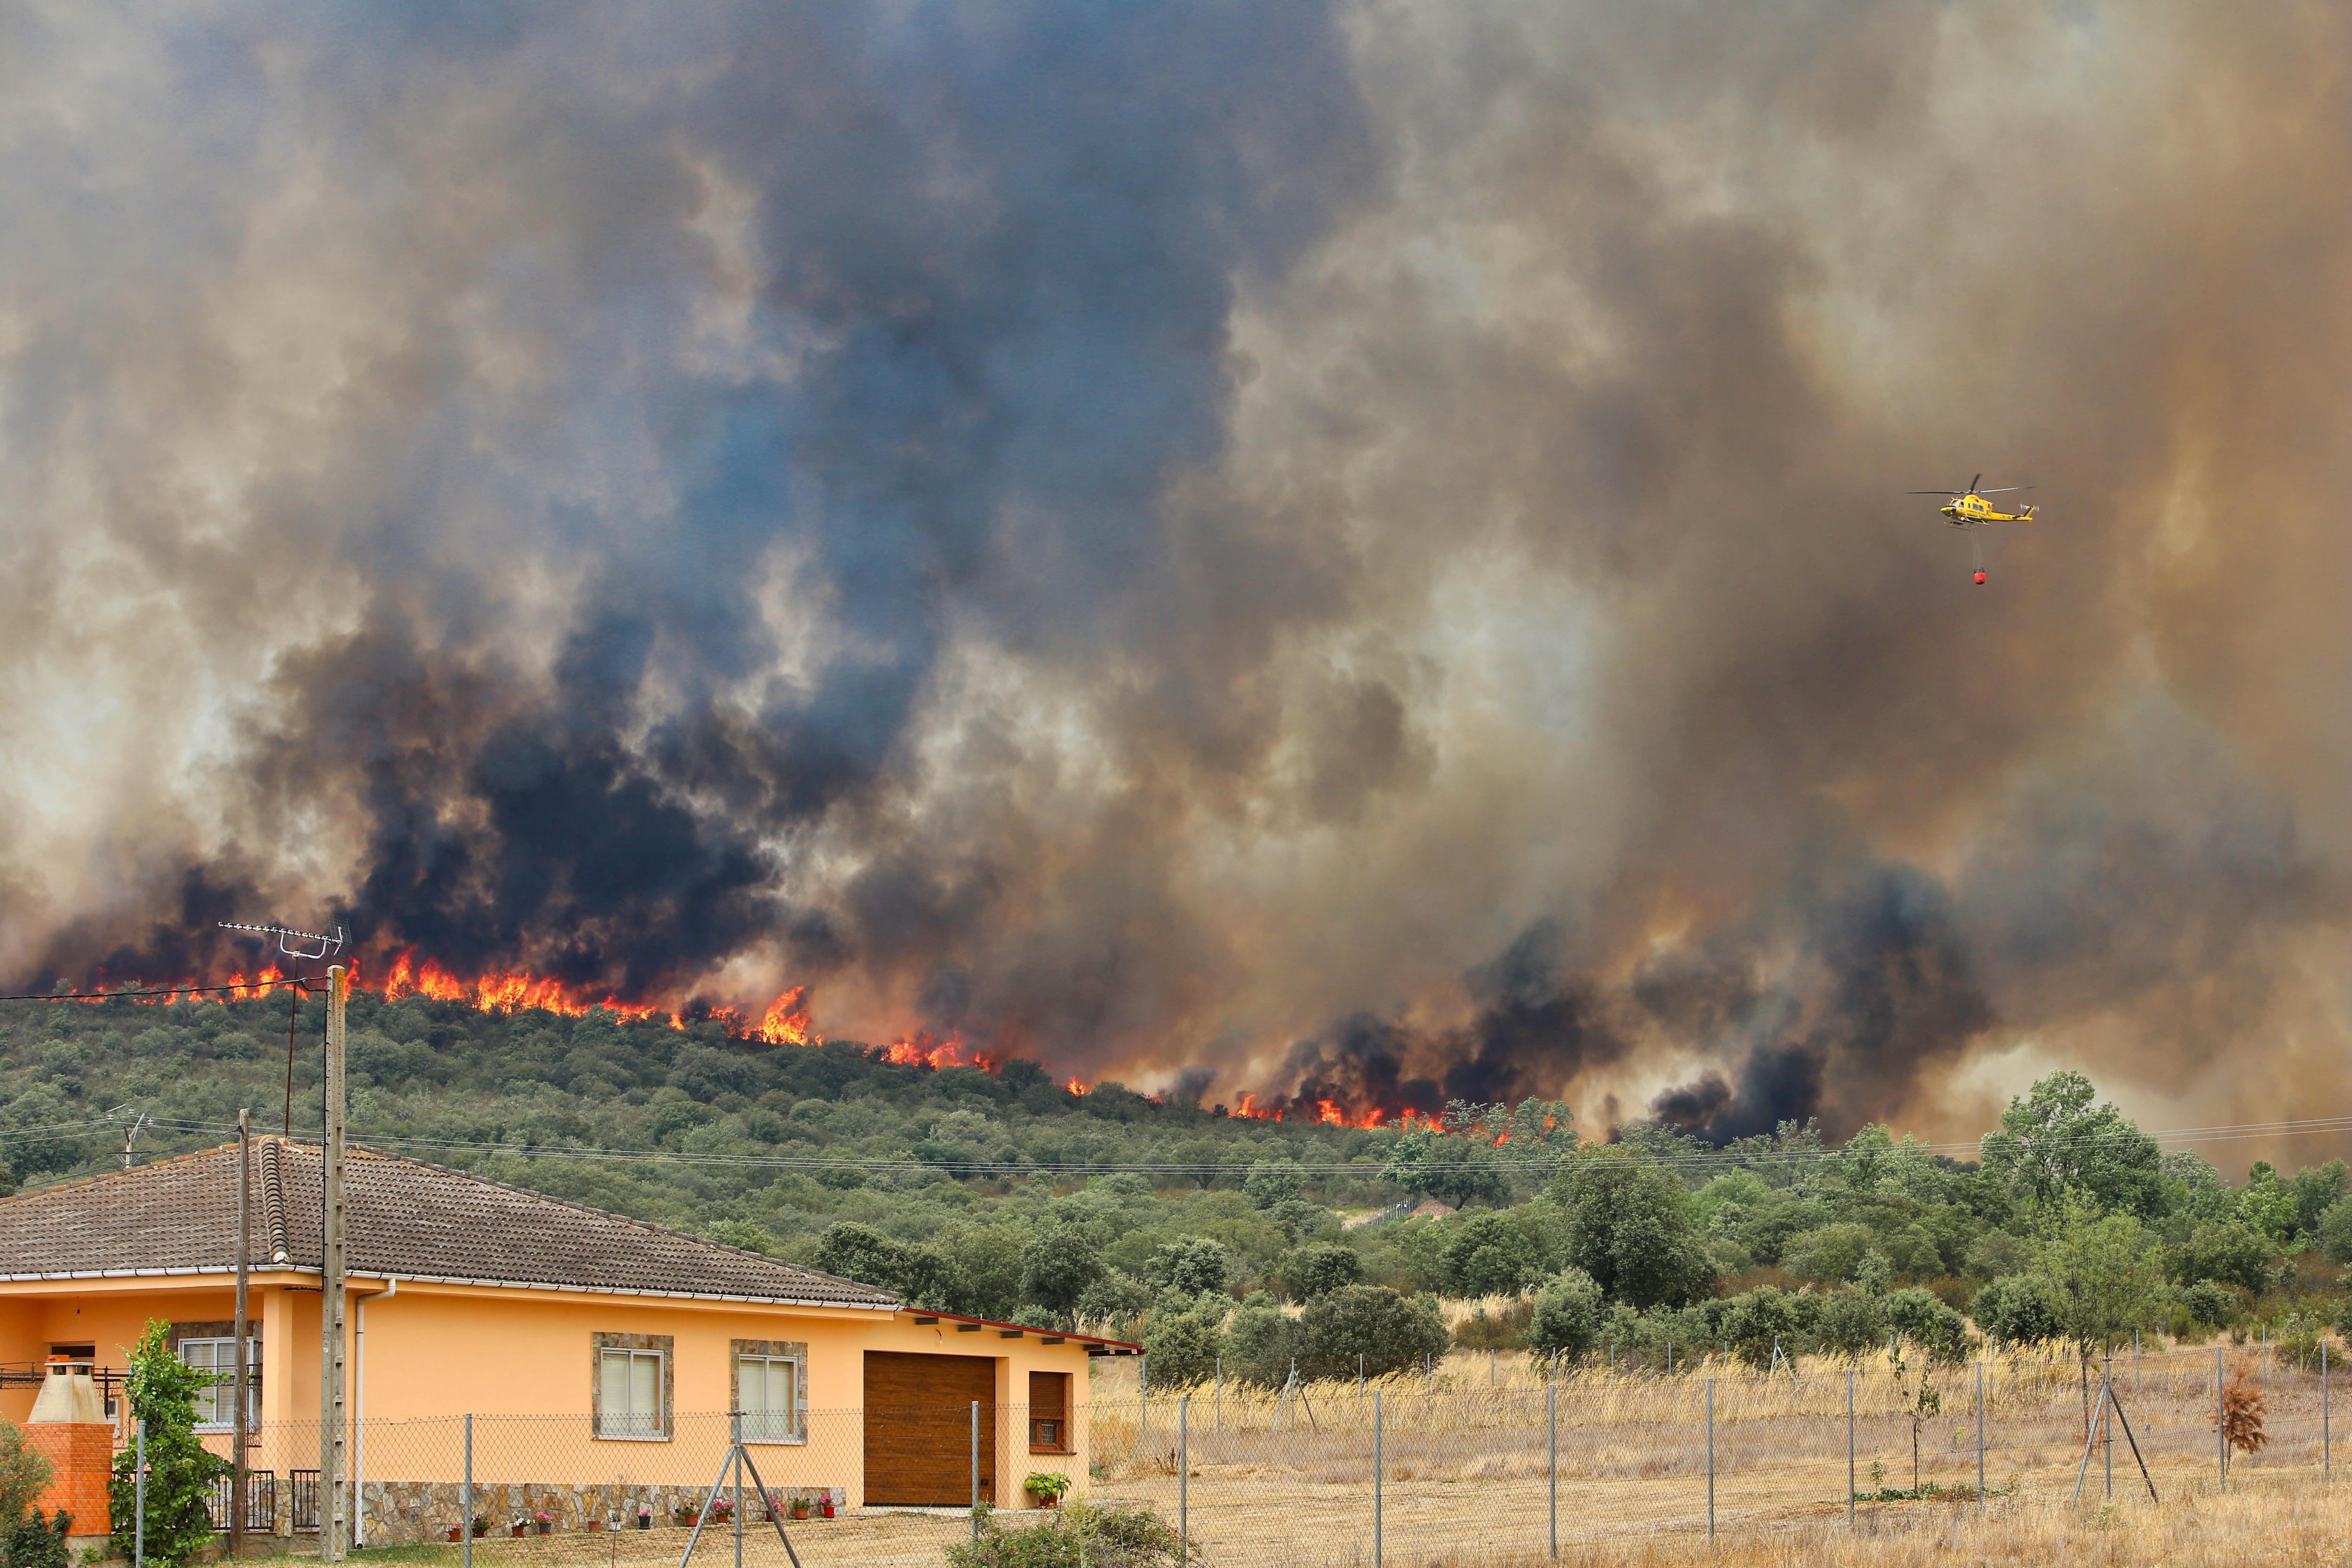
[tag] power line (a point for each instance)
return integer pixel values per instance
(256, 985)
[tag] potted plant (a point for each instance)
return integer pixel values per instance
(644, 1516)
(720, 1510)
(456, 1531)
(683, 1515)
(826, 1505)
(481, 1524)
(519, 1526)
(800, 1508)
(1046, 1487)
(545, 1523)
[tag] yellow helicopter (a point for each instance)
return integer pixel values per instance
(1968, 509)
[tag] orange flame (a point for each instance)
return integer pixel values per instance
(786, 1021)
(924, 1048)
(504, 990)
(1075, 1087)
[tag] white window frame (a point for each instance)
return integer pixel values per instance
(612, 1428)
(763, 1428)
(223, 1395)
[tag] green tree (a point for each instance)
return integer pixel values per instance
(2264, 1206)
(1056, 1267)
(860, 1252)
(2019, 1309)
(2227, 1250)
(1390, 1332)
(38, 1543)
(1455, 1170)
(2313, 1189)
(1271, 1182)
(1849, 1322)
(1193, 1265)
(2334, 1230)
(180, 1473)
(1492, 1254)
(1567, 1319)
(1630, 1226)
(2193, 1187)
(2054, 1141)
(1919, 1316)
(1260, 1341)
(2103, 1272)
(1181, 1350)
(1317, 1270)
(1757, 1321)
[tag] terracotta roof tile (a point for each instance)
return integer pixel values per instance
(407, 1217)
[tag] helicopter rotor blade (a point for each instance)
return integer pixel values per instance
(1974, 483)
(2003, 490)
(1935, 492)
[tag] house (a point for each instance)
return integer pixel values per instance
(597, 1356)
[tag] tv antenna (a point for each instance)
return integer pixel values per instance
(295, 945)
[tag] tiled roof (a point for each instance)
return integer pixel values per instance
(405, 1217)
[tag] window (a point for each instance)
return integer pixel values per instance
(217, 1406)
(1049, 1413)
(771, 1392)
(629, 1393)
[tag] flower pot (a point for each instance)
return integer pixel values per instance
(595, 1524)
(800, 1510)
(545, 1525)
(828, 1506)
(515, 1530)
(1046, 1500)
(454, 1533)
(645, 1521)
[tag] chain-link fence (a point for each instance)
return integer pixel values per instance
(1477, 1460)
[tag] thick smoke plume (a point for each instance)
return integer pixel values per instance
(1339, 551)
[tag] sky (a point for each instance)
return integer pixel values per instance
(1300, 548)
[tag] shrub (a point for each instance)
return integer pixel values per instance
(1124, 1536)
(1390, 1331)
(1503, 1331)
(1567, 1316)
(2019, 1309)
(2335, 1230)
(36, 1542)
(1849, 1322)
(1181, 1350)
(23, 1473)
(1492, 1254)
(1317, 1270)
(1260, 1341)
(2242, 1416)
(2298, 1339)
(1920, 1316)
(1763, 1318)
(2208, 1303)
(2226, 1250)
(1271, 1182)
(1834, 1252)
(180, 1472)
(1631, 1227)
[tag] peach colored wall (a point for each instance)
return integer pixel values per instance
(522, 1362)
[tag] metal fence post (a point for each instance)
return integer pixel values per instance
(1376, 1479)
(1710, 1460)
(1221, 1395)
(1980, 1484)
(139, 1494)
(1185, 1467)
(1551, 1468)
(2135, 1390)
(1849, 1448)
(975, 1469)
(465, 1495)
(2220, 1427)
(2325, 1465)
(1142, 1395)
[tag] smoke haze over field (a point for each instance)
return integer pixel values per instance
(1309, 548)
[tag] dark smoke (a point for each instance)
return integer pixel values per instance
(1332, 550)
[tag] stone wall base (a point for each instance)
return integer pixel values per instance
(428, 1510)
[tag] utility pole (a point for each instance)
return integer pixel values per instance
(238, 1420)
(334, 1534)
(334, 1512)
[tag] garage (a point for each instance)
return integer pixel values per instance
(918, 1429)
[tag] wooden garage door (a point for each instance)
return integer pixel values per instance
(919, 1428)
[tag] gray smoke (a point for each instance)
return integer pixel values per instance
(1297, 547)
